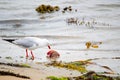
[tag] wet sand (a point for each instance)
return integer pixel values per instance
(41, 72)
(11, 78)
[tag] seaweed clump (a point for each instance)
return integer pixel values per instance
(68, 9)
(90, 23)
(47, 8)
(92, 44)
(4, 73)
(77, 65)
(91, 75)
(16, 65)
(56, 78)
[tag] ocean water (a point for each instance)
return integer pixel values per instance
(18, 19)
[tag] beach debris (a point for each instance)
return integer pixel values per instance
(89, 62)
(8, 57)
(16, 65)
(47, 8)
(87, 22)
(91, 75)
(57, 78)
(53, 55)
(88, 44)
(72, 21)
(68, 9)
(71, 65)
(25, 65)
(17, 25)
(8, 73)
(92, 44)
(21, 56)
(116, 58)
(106, 67)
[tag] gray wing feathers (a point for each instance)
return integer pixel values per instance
(24, 43)
(31, 43)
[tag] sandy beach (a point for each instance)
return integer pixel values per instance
(37, 72)
(10, 78)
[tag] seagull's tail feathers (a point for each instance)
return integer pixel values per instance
(9, 40)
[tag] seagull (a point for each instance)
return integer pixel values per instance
(52, 55)
(30, 43)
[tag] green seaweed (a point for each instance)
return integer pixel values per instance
(72, 65)
(91, 75)
(16, 65)
(56, 78)
(94, 76)
(26, 65)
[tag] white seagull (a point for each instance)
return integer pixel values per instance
(30, 43)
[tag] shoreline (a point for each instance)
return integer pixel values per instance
(40, 71)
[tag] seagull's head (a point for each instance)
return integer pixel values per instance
(47, 44)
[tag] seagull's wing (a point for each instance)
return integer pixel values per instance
(25, 43)
(31, 42)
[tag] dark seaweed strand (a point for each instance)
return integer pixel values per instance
(11, 64)
(13, 74)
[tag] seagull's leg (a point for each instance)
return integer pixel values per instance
(26, 53)
(32, 55)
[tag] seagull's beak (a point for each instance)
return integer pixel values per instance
(49, 47)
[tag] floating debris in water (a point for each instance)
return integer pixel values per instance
(17, 25)
(90, 23)
(72, 21)
(47, 8)
(8, 57)
(92, 44)
(68, 9)
(88, 44)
